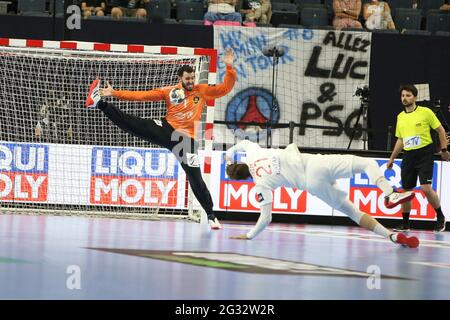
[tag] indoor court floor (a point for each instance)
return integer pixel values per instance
(61, 257)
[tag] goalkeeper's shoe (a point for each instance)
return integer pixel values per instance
(396, 198)
(401, 238)
(214, 224)
(93, 96)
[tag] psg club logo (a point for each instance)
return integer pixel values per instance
(252, 105)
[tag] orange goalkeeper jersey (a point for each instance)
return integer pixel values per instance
(184, 116)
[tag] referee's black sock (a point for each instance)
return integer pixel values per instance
(439, 213)
(405, 217)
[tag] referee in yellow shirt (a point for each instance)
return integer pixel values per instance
(413, 133)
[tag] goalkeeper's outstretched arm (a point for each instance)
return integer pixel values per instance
(151, 95)
(214, 92)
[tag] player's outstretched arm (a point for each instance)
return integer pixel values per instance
(265, 198)
(151, 95)
(263, 221)
(239, 147)
(213, 92)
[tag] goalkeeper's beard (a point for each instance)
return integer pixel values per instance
(187, 87)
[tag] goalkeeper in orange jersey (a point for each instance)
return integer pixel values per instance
(177, 130)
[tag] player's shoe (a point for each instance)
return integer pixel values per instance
(93, 96)
(440, 225)
(401, 238)
(396, 198)
(214, 224)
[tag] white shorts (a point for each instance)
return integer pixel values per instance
(321, 174)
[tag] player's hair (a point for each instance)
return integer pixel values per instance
(238, 171)
(184, 69)
(408, 87)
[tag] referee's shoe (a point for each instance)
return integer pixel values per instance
(404, 227)
(440, 225)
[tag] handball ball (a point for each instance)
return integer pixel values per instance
(177, 96)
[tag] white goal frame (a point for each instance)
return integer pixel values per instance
(194, 212)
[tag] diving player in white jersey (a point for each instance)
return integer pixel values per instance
(315, 173)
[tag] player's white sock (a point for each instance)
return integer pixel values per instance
(371, 168)
(382, 231)
(368, 222)
(384, 185)
(363, 219)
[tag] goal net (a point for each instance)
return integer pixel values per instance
(59, 157)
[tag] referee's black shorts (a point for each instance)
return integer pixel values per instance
(417, 163)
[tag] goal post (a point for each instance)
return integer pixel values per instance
(56, 156)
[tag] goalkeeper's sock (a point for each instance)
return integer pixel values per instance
(102, 104)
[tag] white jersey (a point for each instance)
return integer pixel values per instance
(273, 168)
(270, 169)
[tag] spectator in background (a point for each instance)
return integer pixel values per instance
(257, 11)
(54, 120)
(346, 14)
(377, 15)
(224, 10)
(93, 8)
(130, 8)
(446, 6)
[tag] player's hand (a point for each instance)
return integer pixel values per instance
(240, 237)
(390, 164)
(108, 91)
(227, 159)
(229, 57)
(445, 155)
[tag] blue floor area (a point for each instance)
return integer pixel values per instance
(44, 257)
